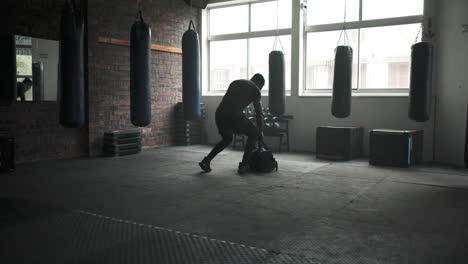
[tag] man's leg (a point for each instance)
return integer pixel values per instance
(225, 141)
(22, 96)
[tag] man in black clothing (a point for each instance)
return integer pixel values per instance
(230, 119)
(22, 88)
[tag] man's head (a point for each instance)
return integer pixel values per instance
(258, 80)
(27, 83)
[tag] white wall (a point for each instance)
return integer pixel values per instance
(451, 80)
(47, 52)
(450, 90)
(311, 112)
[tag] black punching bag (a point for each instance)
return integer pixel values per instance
(191, 74)
(277, 82)
(7, 69)
(140, 73)
(72, 97)
(38, 81)
(342, 82)
(420, 82)
(466, 139)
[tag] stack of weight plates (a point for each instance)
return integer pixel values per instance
(119, 143)
(189, 132)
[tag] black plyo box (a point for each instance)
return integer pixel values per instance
(121, 143)
(118, 141)
(122, 134)
(339, 143)
(401, 148)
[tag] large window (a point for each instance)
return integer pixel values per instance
(238, 35)
(24, 62)
(228, 62)
(240, 38)
(380, 32)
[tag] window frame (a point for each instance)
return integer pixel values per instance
(208, 38)
(23, 46)
(358, 25)
(298, 32)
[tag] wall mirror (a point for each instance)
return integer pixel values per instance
(36, 69)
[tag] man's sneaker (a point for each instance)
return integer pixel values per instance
(205, 165)
(243, 167)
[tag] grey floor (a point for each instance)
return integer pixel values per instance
(318, 211)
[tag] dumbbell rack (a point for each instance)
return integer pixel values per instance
(119, 143)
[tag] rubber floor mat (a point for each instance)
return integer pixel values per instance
(83, 237)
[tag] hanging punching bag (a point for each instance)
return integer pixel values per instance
(38, 81)
(140, 73)
(466, 139)
(191, 74)
(277, 83)
(7, 69)
(420, 82)
(72, 98)
(341, 100)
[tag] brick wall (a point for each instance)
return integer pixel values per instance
(35, 125)
(109, 76)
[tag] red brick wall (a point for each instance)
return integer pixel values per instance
(35, 125)
(109, 76)
(38, 134)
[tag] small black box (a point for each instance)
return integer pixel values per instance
(120, 134)
(339, 143)
(118, 143)
(389, 147)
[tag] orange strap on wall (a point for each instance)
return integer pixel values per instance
(123, 42)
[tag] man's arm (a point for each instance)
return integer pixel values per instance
(259, 116)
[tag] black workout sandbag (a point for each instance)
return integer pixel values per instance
(191, 74)
(420, 82)
(341, 100)
(140, 73)
(7, 69)
(262, 159)
(277, 83)
(72, 97)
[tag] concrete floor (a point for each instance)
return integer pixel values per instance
(327, 212)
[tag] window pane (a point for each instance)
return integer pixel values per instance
(260, 49)
(229, 20)
(331, 11)
(385, 56)
(24, 64)
(23, 40)
(264, 15)
(375, 9)
(321, 55)
(228, 62)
